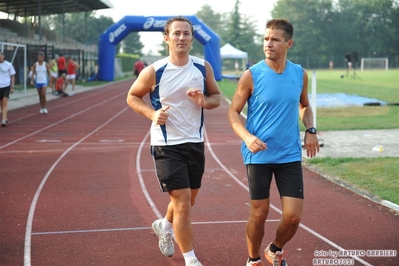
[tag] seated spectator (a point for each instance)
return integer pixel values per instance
(60, 86)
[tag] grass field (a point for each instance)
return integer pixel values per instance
(373, 176)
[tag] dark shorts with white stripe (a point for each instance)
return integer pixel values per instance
(179, 166)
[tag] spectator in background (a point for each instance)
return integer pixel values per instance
(72, 66)
(7, 81)
(60, 86)
(331, 64)
(54, 72)
(138, 67)
(61, 65)
(30, 77)
(42, 71)
(349, 65)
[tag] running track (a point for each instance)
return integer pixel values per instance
(77, 187)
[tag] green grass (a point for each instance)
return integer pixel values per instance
(373, 176)
(378, 84)
(370, 176)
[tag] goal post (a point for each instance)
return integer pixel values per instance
(374, 63)
(18, 59)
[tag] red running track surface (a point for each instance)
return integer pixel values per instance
(77, 187)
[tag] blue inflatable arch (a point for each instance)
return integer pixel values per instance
(117, 32)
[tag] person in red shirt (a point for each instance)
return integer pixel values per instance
(137, 67)
(60, 86)
(72, 66)
(61, 65)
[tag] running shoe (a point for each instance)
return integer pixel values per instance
(276, 259)
(41, 111)
(45, 110)
(72, 93)
(165, 240)
(254, 263)
(193, 262)
(4, 122)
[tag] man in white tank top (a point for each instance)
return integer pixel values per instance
(7, 81)
(180, 87)
(42, 72)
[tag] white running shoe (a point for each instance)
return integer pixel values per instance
(4, 122)
(41, 111)
(193, 262)
(276, 259)
(165, 241)
(45, 110)
(72, 93)
(254, 263)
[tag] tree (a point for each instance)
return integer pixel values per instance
(132, 44)
(212, 20)
(240, 32)
(325, 29)
(84, 27)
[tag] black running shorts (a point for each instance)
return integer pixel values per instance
(5, 92)
(179, 166)
(288, 177)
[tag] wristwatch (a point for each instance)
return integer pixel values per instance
(311, 130)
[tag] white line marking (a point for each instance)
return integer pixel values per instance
(60, 121)
(274, 207)
(29, 223)
(92, 231)
(135, 228)
(141, 180)
(58, 106)
(112, 140)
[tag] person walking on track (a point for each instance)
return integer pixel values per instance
(138, 67)
(54, 72)
(72, 66)
(180, 87)
(271, 145)
(7, 81)
(42, 72)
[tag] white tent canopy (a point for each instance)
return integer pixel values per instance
(229, 51)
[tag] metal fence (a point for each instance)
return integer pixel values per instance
(87, 60)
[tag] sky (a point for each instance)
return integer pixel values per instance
(258, 10)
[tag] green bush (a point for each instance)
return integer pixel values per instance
(128, 61)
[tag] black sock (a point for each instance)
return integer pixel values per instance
(253, 259)
(274, 248)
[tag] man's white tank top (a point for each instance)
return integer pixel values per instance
(186, 118)
(41, 73)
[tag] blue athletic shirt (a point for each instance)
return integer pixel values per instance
(186, 118)
(273, 113)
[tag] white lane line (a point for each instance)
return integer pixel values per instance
(29, 223)
(58, 106)
(141, 180)
(274, 207)
(60, 121)
(92, 231)
(137, 228)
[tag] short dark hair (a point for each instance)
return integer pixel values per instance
(40, 53)
(177, 18)
(282, 24)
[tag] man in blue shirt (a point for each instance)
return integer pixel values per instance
(273, 90)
